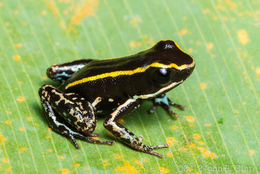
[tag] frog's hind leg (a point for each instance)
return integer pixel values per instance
(128, 137)
(165, 102)
(70, 115)
(62, 72)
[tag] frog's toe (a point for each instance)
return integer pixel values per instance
(178, 106)
(74, 141)
(174, 114)
(160, 146)
(155, 154)
(96, 141)
(156, 147)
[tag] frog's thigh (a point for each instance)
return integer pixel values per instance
(75, 110)
(59, 126)
(62, 72)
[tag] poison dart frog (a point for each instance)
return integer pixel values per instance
(113, 87)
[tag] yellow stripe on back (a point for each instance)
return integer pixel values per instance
(128, 72)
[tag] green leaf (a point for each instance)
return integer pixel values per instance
(217, 133)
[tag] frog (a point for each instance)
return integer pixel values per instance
(113, 87)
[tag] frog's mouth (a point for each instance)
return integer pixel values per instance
(184, 74)
(162, 90)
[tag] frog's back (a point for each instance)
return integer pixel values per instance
(120, 77)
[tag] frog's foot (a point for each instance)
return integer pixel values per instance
(165, 102)
(149, 149)
(69, 115)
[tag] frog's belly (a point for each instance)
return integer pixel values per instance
(109, 104)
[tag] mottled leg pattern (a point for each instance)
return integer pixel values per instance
(165, 102)
(124, 134)
(62, 72)
(69, 114)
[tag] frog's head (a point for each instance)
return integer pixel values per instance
(169, 66)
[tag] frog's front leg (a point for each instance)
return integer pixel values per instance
(62, 72)
(124, 134)
(69, 114)
(165, 102)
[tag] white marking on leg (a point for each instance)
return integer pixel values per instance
(96, 101)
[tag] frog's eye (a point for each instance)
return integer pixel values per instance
(162, 76)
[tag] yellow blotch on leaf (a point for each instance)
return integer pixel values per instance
(183, 31)
(242, 36)
(203, 85)
(164, 170)
(105, 163)
(127, 168)
(174, 127)
(206, 10)
(207, 124)
(64, 171)
(43, 13)
(62, 25)
(170, 141)
(22, 129)
(2, 139)
(139, 163)
(190, 118)
(5, 159)
(121, 120)
(76, 164)
(16, 57)
(18, 45)
(183, 149)
(231, 4)
(8, 122)
(117, 156)
(134, 44)
(52, 7)
(135, 20)
(206, 153)
(44, 77)
(209, 46)
(201, 142)
(84, 11)
(170, 154)
(22, 149)
(16, 12)
(62, 157)
(192, 145)
(196, 136)
(251, 152)
(257, 70)
(20, 99)
(189, 169)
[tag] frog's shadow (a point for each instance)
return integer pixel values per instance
(39, 112)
